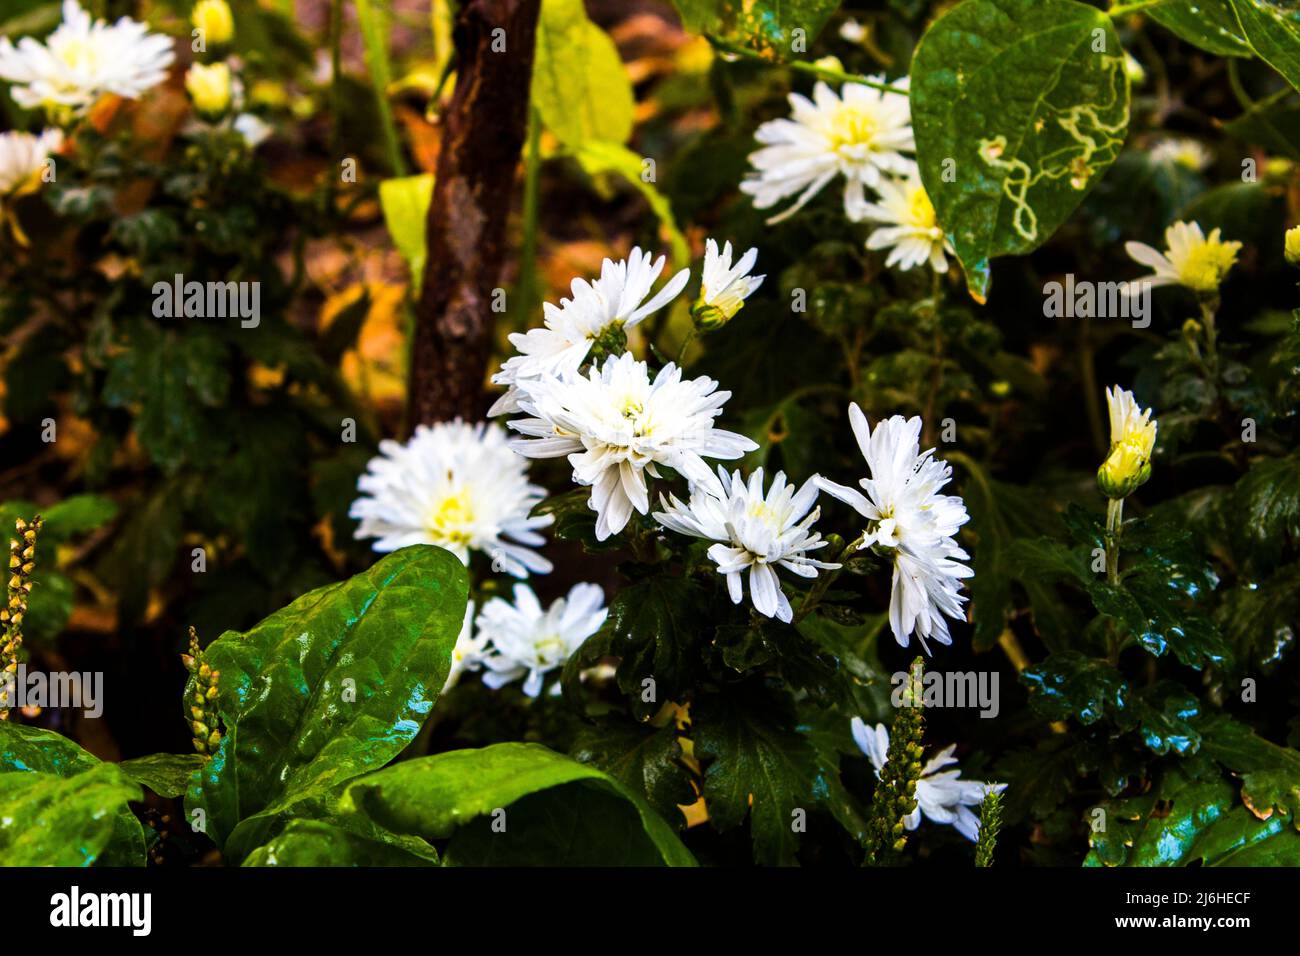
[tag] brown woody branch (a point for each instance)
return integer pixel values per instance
(483, 133)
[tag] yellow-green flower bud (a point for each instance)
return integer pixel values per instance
(1293, 246)
(215, 21)
(209, 88)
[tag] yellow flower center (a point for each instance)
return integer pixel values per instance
(452, 518)
(852, 126)
(79, 54)
(920, 209)
(1207, 263)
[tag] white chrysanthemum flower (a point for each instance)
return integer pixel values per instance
(725, 287)
(909, 519)
(525, 639)
(1187, 153)
(860, 134)
(459, 486)
(84, 59)
(23, 158)
(943, 797)
(1192, 259)
(754, 531)
(615, 424)
(469, 651)
(910, 232)
(614, 302)
(852, 31)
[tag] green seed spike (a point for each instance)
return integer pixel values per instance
(895, 797)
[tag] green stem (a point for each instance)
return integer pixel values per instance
(1114, 522)
(686, 344)
(528, 253)
(824, 581)
(1209, 307)
(822, 72)
(374, 33)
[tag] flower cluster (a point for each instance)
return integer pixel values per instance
(864, 135)
(522, 639)
(82, 60)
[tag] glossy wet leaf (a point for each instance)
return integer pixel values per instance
(167, 775)
(767, 25)
(556, 810)
(317, 843)
(1267, 508)
(1164, 714)
(1071, 684)
(1019, 106)
(1209, 24)
(757, 767)
(1270, 773)
(54, 820)
(47, 820)
(332, 686)
(1272, 28)
(580, 86)
(1189, 817)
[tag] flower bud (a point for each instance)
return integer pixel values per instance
(1293, 246)
(1125, 470)
(209, 88)
(215, 21)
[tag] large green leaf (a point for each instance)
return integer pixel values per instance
(167, 775)
(48, 820)
(330, 687)
(317, 843)
(62, 806)
(1018, 107)
(1209, 24)
(1272, 27)
(1267, 505)
(516, 803)
(580, 86)
(758, 766)
(767, 25)
(1270, 773)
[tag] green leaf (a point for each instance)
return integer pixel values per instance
(1188, 817)
(1164, 713)
(167, 775)
(646, 760)
(1260, 620)
(1209, 24)
(759, 767)
(599, 157)
(317, 843)
(654, 626)
(1266, 503)
(171, 381)
(47, 820)
(1070, 684)
(557, 811)
(77, 515)
(1018, 107)
(766, 25)
(1270, 773)
(332, 686)
(64, 806)
(1272, 28)
(580, 86)
(405, 202)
